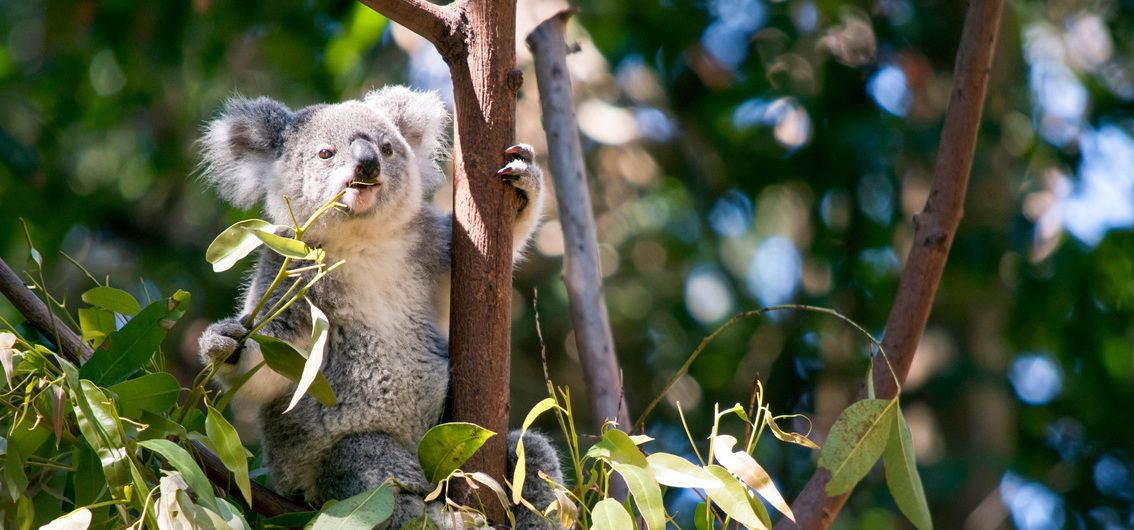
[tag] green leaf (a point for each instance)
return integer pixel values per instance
(608, 514)
(701, 516)
(156, 392)
(290, 520)
(616, 446)
(77, 520)
(646, 492)
(234, 243)
(677, 472)
(361, 512)
(745, 467)
(314, 362)
(446, 446)
(88, 479)
(856, 441)
(183, 462)
(733, 498)
(287, 361)
(520, 470)
(287, 247)
(15, 479)
(223, 438)
(102, 428)
(135, 344)
(112, 299)
(96, 324)
(902, 476)
(151, 426)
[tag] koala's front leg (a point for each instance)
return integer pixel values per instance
(527, 177)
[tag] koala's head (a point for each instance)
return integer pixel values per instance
(382, 150)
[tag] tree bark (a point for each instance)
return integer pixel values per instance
(477, 39)
(934, 230)
(582, 272)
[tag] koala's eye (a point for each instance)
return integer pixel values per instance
(326, 153)
(387, 149)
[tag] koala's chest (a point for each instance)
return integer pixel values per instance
(379, 289)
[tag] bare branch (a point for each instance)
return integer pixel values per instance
(582, 272)
(440, 25)
(935, 228)
(264, 501)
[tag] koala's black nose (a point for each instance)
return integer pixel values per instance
(366, 158)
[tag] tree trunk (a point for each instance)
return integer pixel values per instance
(934, 229)
(477, 40)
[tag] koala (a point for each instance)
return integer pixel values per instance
(386, 355)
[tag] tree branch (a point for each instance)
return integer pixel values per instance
(935, 228)
(264, 500)
(440, 25)
(581, 270)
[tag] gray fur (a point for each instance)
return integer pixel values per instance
(387, 353)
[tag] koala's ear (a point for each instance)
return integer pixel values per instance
(240, 147)
(422, 119)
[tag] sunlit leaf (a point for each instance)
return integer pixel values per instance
(96, 324)
(361, 512)
(520, 470)
(135, 344)
(486, 480)
(640, 439)
(234, 243)
(156, 392)
(226, 443)
(608, 514)
(901, 474)
(677, 472)
(857, 439)
(77, 520)
(564, 508)
(616, 446)
(314, 362)
(101, 427)
(286, 360)
(183, 462)
(646, 493)
(733, 498)
(112, 299)
(446, 446)
(752, 473)
(286, 246)
(789, 437)
(7, 355)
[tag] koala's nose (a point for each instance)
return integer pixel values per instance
(366, 157)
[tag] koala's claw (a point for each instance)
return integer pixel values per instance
(522, 172)
(221, 341)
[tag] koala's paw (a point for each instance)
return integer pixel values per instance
(219, 341)
(522, 172)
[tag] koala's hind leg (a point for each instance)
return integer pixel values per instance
(360, 462)
(539, 455)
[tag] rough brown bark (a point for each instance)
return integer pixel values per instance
(477, 40)
(934, 229)
(582, 273)
(265, 501)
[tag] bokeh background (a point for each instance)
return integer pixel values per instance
(743, 153)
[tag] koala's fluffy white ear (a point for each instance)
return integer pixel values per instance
(422, 119)
(240, 147)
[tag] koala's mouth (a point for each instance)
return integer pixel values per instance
(364, 184)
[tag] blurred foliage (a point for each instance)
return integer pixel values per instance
(743, 153)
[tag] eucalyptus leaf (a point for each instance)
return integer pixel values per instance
(77, 520)
(314, 362)
(286, 246)
(785, 436)
(361, 512)
(733, 498)
(236, 242)
(286, 360)
(226, 443)
(616, 446)
(183, 462)
(646, 493)
(112, 299)
(96, 324)
(608, 514)
(448, 445)
(135, 344)
(156, 392)
(857, 439)
(102, 428)
(746, 468)
(520, 471)
(902, 477)
(677, 472)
